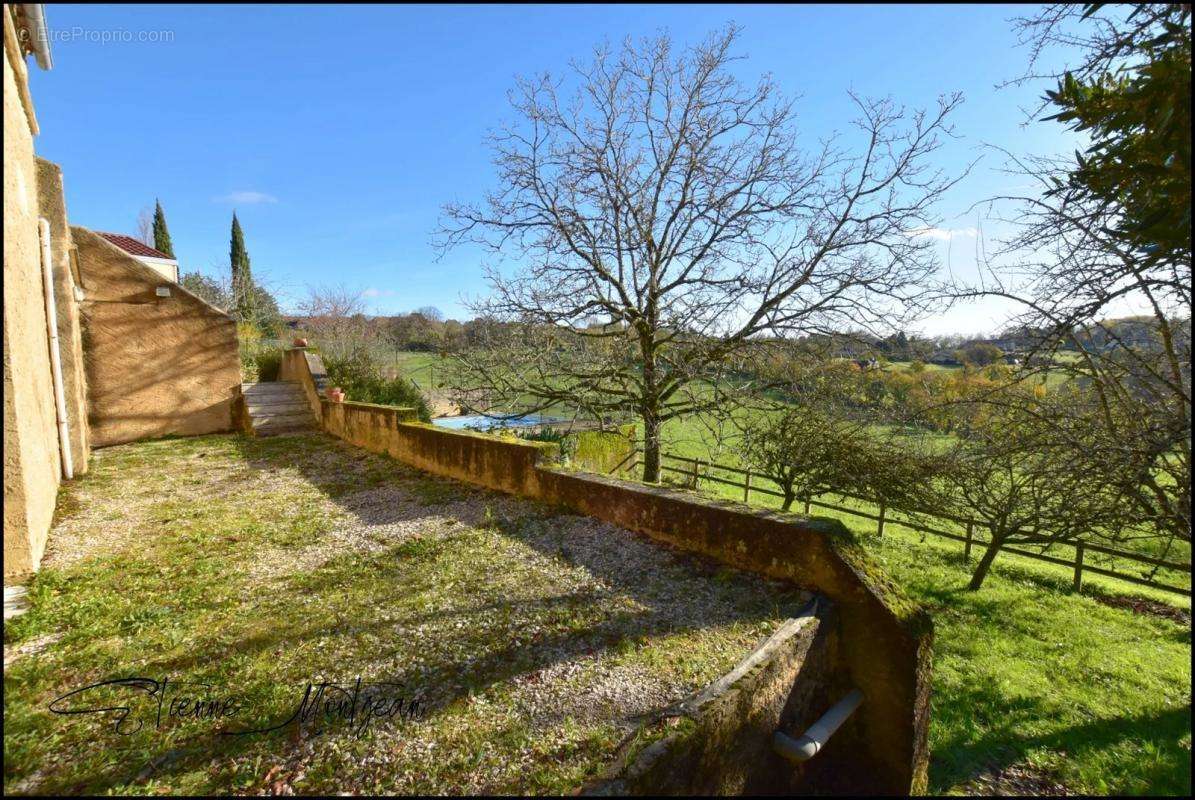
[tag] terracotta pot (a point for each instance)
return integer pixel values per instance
(336, 395)
(300, 342)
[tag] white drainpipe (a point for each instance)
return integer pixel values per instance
(809, 745)
(64, 441)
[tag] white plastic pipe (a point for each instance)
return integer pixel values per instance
(814, 739)
(64, 440)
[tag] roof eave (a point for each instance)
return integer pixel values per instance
(39, 33)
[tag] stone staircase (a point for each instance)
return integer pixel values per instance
(275, 407)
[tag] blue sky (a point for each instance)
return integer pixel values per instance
(337, 132)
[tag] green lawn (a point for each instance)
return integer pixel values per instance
(427, 370)
(534, 644)
(1031, 675)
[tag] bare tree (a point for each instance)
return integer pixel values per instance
(430, 312)
(334, 316)
(674, 201)
(1007, 475)
(145, 226)
(1106, 234)
(211, 290)
(803, 451)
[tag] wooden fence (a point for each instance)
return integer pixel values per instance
(699, 470)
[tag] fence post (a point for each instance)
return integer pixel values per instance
(1079, 567)
(880, 525)
(747, 488)
(695, 463)
(967, 546)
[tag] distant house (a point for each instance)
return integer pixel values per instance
(944, 358)
(1007, 345)
(156, 260)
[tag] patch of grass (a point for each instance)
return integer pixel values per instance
(435, 492)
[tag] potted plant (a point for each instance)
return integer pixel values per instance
(300, 342)
(336, 394)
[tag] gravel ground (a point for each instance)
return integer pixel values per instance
(536, 642)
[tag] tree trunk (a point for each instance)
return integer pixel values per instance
(788, 500)
(651, 449)
(985, 563)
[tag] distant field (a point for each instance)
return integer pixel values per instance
(693, 437)
(427, 370)
(1053, 378)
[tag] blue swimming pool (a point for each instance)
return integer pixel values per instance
(480, 422)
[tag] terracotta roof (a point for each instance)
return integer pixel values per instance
(133, 247)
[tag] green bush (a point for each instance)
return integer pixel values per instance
(566, 443)
(259, 362)
(269, 364)
(248, 366)
(358, 375)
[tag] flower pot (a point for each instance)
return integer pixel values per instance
(300, 342)
(336, 395)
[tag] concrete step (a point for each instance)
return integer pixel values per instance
(276, 429)
(280, 406)
(277, 407)
(270, 389)
(274, 399)
(300, 417)
(16, 601)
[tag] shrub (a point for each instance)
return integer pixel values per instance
(566, 443)
(269, 364)
(248, 338)
(248, 366)
(259, 362)
(358, 375)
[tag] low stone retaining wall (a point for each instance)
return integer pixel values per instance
(884, 640)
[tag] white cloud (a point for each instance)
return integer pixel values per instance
(943, 234)
(245, 198)
(373, 292)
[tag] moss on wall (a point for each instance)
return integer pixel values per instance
(602, 451)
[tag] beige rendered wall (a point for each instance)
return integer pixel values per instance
(32, 468)
(155, 365)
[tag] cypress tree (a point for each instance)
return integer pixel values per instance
(161, 232)
(242, 279)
